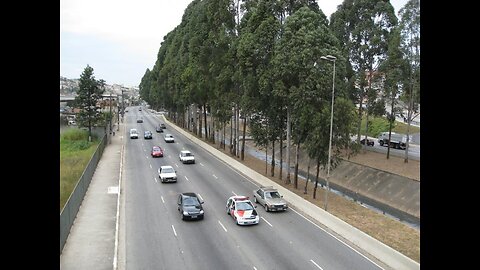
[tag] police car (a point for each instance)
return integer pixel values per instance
(242, 210)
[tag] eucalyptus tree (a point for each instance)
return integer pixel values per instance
(305, 39)
(222, 37)
(364, 27)
(394, 70)
(88, 96)
(258, 34)
(410, 32)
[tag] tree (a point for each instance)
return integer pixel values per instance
(364, 27)
(393, 68)
(88, 96)
(410, 32)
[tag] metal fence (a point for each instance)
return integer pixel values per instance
(70, 210)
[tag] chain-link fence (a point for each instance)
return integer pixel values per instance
(70, 210)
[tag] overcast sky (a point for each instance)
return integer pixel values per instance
(120, 39)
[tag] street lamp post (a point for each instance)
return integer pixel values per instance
(332, 59)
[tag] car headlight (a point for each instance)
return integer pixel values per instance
(185, 213)
(201, 211)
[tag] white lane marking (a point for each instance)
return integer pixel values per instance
(316, 264)
(201, 164)
(339, 240)
(176, 165)
(155, 180)
(215, 176)
(234, 193)
(161, 197)
(117, 220)
(174, 232)
(200, 196)
(225, 229)
(186, 178)
(151, 166)
(266, 221)
(254, 268)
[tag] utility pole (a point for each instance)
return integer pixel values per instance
(110, 101)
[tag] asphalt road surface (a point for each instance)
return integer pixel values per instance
(157, 238)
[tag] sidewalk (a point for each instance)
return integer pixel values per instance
(91, 242)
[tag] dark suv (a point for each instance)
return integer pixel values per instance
(190, 206)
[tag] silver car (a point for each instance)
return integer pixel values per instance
(269, 198)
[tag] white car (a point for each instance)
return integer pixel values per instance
(242, 210)
(169, 138)
(167, 174)
(133, 133)
(186, 157)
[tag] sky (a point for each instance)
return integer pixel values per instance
(120, 39)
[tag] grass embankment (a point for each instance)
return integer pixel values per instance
(380, 124)
(75, 153)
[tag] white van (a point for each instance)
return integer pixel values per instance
(133, 133)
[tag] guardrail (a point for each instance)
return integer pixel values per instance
(71, 207)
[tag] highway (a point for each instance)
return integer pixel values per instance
(157, 238)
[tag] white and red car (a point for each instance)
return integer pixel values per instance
(242, 210)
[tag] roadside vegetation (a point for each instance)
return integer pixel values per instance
(380, 124)
(75, 153)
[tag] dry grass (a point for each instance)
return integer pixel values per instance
(393, 233)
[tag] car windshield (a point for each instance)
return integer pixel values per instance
(188, 154)
(244, 206)
(190, 201)
(167, 170)
(272, 195)
(156, 149)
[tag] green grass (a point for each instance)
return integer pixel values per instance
(380, 124)
(75, 153)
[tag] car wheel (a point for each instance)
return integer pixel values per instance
(256, 200)
(228, 212)
(266, 207)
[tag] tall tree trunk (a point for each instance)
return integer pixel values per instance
(205, 119)
(272, 168)
(231, 135)
(289, 127)
(244, 134)
(281, 156)
(316, 180)
(308, 175)
(297, 155)
(237, 133)
(360, 111)
(266, 158)
(224, 133)
(392, 108)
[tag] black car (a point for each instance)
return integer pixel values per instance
(162, 125)
(147, 135)
(369, 142)
(190, 206)
(159, 129)
(139, 120)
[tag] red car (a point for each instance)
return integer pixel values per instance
(157, 151)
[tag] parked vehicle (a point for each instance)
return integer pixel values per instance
(397, 140)
(270, 199)
(369, 142)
